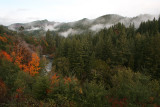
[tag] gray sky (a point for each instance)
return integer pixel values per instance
(13, 11)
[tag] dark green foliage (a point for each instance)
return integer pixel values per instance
(62, 66)
(24, 81)
(101, 73)
(8, 73)
(96, 57)
(51, 43)
(40, 87)
(93, 95)
(135, 87)
(151, 27)
(64, 93)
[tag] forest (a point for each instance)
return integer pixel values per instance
(115, 67)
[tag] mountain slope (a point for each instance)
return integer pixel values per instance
(80, 26)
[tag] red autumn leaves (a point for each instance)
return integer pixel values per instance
(19, 92)
(32, 67)
(55, 81)
(116, 102)
(3, 39)
(22, 56)
(5, 55)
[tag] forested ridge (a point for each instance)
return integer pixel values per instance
(117, 67)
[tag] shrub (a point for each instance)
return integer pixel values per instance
(136, 88)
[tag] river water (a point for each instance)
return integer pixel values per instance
(49, 65)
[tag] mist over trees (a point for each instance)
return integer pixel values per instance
(117, 66)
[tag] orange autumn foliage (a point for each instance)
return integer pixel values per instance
(19, 93)
(23, 56)
(19, 90)
(54, 79)
(3, 39)
(18, 60)
(5, 55)
(33, 65)
(13, 54)
(67, 80)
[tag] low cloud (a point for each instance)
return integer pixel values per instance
(97, 27)
(51, 27)
(137, 20)
(108, 25)
(33, 28)
(12, 28)
(69, 31)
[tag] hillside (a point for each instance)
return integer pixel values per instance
(80, 26)
(115, 67)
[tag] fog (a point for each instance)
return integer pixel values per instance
(69, 31)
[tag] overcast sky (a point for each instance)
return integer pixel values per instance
(13, 11)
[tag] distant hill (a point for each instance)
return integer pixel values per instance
(80, 26)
